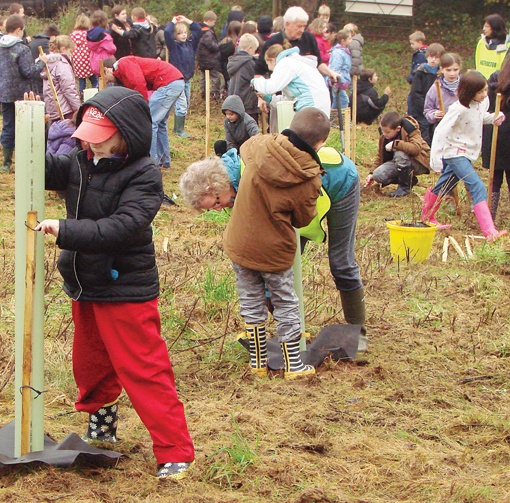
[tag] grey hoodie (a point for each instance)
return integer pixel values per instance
(241, 69)
(17, 69)
(244, 127)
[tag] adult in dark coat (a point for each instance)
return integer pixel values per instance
(498, 82)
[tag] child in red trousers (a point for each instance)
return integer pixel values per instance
(114, 190)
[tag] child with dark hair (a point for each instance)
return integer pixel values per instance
(423, 79)
(121, 20)
(99, 41)
(369, 104)
(108, 264)
(456, 145)
(142, 35)
(17, 72)
(401, 156)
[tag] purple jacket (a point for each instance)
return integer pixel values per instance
(62, 75)
(432, 101)
(59, 137)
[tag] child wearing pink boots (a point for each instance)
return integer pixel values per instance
(456, 144)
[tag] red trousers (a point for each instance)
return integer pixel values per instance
(118, 345)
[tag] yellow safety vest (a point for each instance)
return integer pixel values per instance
(486, 61)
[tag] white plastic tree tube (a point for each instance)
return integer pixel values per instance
(29, 190)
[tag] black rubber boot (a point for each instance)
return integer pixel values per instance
(103, 424)
(353, 305)
(8, 152)
(179, 127)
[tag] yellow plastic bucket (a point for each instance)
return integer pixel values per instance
(410, 244)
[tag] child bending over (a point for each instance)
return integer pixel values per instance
(277, 192)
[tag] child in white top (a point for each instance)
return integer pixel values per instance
(456, 145)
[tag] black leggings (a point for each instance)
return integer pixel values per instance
(497, 182)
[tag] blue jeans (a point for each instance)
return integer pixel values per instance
(9, 126)
(342, 96)
(82, 82)
(460, 168)
(160, 104)
(341, 219)
(182, 105)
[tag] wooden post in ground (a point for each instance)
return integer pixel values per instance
(493, 150)
(26, 381)
(207, 111)
(347, 128)
(354, 113)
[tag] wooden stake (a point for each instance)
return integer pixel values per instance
(207, 111)
(457, 247)
(102, 76)
(52, 86)
(347, 129)
(468, 247)
(439, 96)
(26, 382)
(264, 122)
(354, 114)
(493, 149)
(446, 244)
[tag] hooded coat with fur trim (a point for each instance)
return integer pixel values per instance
(106, 240)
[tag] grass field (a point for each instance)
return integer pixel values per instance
(422, 416)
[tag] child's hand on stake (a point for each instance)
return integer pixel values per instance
(438, 114)
(49, 227)
(500, 119)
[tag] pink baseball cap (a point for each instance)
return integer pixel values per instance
(94, 127)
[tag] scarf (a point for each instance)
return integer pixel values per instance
(450, 86)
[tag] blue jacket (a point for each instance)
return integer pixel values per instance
(417, 59)
(340, 62)
(182, 54)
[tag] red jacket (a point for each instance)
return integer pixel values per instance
(145, 74)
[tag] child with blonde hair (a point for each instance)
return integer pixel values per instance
(61, 73)
(81, 53)
(356, 48)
